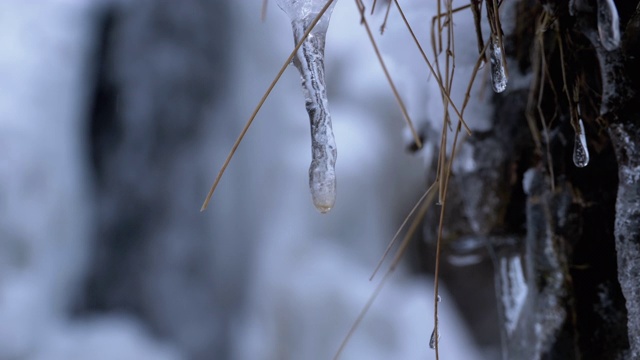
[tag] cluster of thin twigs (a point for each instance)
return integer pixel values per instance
(442, 70)
(442, 41)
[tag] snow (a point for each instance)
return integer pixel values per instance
(309, 277)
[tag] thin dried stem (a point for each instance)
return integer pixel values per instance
(445, 167)
(361, 316)
(373, 6)
(386, 17)
(396, 260)
(431, 68)
(476, 68)
(436, 281)
(540, 69)
(493, 15)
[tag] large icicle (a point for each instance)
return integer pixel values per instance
(310, 62)
(498, 73)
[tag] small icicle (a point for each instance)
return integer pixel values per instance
(496, 52)
(476, 6)
(580, 150)
(498, 73)
(432, 339)
(608, 24)
(310, 63)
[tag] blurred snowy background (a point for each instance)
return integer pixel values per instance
(115, 117)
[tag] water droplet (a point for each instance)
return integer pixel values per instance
(439, 298)
(309, 60)
(498, 73)
(580, 150)
(432, 339)
(608, 24)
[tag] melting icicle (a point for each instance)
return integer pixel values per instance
(608, 24)
(498, 74)
(513, 291)
(432, 339)
(580, 150)
(310, 63)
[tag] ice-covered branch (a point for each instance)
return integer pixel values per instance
(310, 63)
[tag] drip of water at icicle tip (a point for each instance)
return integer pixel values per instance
(432, 339)
(498, 73)
(608, 24)
(580, 150)
(309, 60)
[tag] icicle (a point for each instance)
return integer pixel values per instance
(608, 24)
(432, 339)
(498, 74)
(580, 150)
(310, 63)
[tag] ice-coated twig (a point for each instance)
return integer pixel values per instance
(310, 63)
(322, 175)
(608, 24)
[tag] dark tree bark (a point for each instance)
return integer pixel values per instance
(572, 234)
